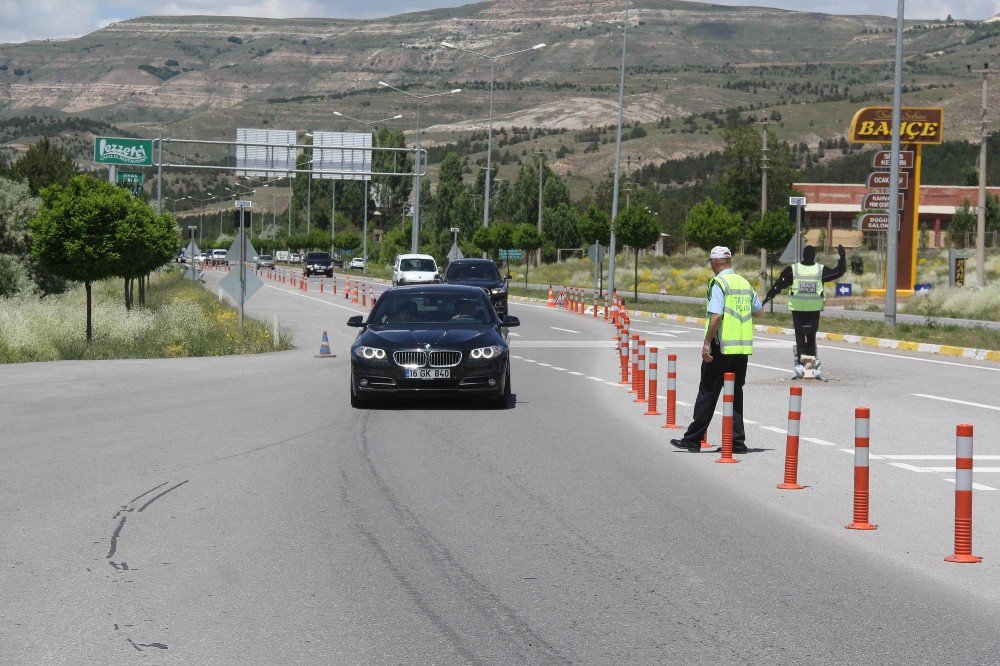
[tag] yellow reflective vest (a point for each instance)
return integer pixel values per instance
(736, 332)
(806, 292)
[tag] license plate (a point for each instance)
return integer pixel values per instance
(428, 374)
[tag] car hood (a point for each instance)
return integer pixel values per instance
(452, 336)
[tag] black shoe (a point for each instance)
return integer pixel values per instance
(681, 444)
(740, 448)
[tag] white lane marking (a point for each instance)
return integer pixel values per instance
(975, 470)
(564, 344)
(544, 365)
(769, 367)
(530, 360)
(821, 442)
(642, 330)
(576, 374)
(780, 431)
(596, 379)
(318, 300)
(564, 330)
(956, 401)
(975, 486)
(914, 468)
(558, 368)
(911, 358)
(515, 356)
(747, 421)
(612, 383)
(515, 335)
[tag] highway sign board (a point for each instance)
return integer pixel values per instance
(511, 254)
(883, 159)
(455, 253)
(596, 253)
(844, 289)
(243, 203)
(130, 180)
(128, 152)
(249, 254)
(796, 201)
(880, 180)
(874, 222)
(879, 201)
(274, 154)
(192, 250)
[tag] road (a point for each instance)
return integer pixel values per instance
(237, 510)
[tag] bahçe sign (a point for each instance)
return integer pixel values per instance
(917, 125)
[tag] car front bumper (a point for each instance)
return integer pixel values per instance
(473, 378)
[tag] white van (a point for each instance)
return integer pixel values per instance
(414, 269)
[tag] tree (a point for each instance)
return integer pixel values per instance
(595, 226)
(527, 239)
(347, 241)
(42, 165)
(741, 181)
(710, 224)
(561, 226)
(963, 223)
(771, 232)
(144, 241)
(74, 232)
(638, 228)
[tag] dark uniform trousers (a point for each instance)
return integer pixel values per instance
(708, 394)
(806, 325)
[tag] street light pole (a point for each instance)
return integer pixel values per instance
(415, 233)
(981, 216)
(618, 156)
(489, 131)
(893, 232)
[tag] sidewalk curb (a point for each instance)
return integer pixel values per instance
(880, 343)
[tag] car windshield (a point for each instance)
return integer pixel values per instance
(405, 308)
(477, 271)
(424, 265)
(265, 257)
(318, 256)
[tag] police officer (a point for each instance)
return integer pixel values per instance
(804, 282)
(732, 305)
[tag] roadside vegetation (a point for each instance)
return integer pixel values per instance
(180, 319)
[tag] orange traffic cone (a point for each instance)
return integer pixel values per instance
(324, 348)
(551, 303)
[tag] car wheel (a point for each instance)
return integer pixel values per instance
(502, 401)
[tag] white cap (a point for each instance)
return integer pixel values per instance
(720, 252)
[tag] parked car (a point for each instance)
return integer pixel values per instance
(357, 264)
(318, 263)
(265, 261)
(431, 339)
(414, 269)
(482, 273)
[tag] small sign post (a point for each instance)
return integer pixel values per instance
(799, 203)
(844, 289)
(132, 181)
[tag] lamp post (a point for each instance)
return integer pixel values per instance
(414, 236)
(489, 133)
(333, 200)
(893, 231)
(618, 156)
(541, 175)
(981, 218)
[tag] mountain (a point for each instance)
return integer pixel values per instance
(200, 77)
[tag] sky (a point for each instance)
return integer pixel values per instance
(22, 20)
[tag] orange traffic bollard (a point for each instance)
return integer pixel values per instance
(634, 362)
(671, 410)
(792, 441)
(623, 353)
(862, 417)
(963, 497)
(651, 394)
(641, 385)
(551, 303)
(728, 395)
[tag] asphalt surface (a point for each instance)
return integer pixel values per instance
(237, 510)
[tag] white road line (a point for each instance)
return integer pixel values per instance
(558, 368)
(769, 367)
(780, 431)
(529, 360)
(565, 330)
(914, 468)
(641, 330)
(544, 365)
(821, 442)
(911, 358)
(975, 486)
(564, 344)
(932, 456)
(318, 300)
(515, 335)
(956, 401)
(576, 374)
(975, 470)
(596, 379)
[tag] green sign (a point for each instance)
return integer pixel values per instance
(131, 180)
(127, 152)
(511, 254)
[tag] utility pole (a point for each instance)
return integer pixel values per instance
(541, 173)
(893, 231)
(763, 209)
(618, 155)
(981, 221)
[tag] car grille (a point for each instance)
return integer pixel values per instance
(410, 359)
(445, 359)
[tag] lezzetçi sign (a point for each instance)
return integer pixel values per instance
(130, 152)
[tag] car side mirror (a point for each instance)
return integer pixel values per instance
(511, 321)
(356, 322)
(509, 277)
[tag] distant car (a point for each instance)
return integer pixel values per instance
(218, 257)
(281, 255)
(357, 264)
(414, 269)
(338, 261)
(482, 273)
(295, 258)
(318, 263)
(201, 258)
(265, 261)
(431, 339)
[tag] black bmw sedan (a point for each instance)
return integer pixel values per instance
(431, 339)
(482, 273)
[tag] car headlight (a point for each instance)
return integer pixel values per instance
(486, 352)
(370, 353)
(498, 291)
